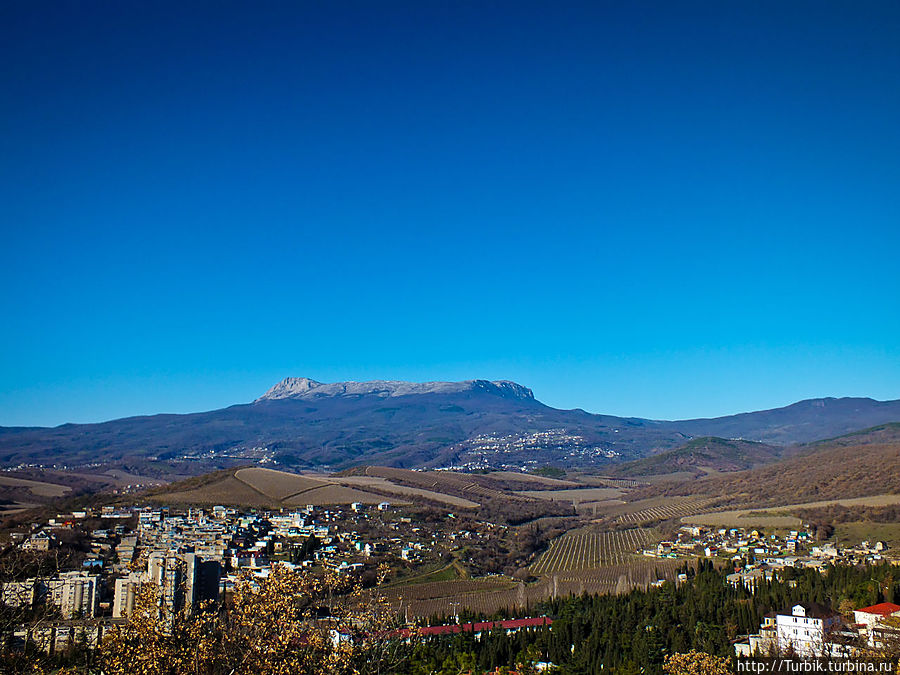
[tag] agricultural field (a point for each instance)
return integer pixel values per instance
(265, 488)
(257, 486)
(326, 495)
(37, 488)
(663, 511)
(780, 516)
(277, 484)
(384, 485)
(606, 481)
(600, 508)
(472, 487)
(574, 495)
(493, 594)
(540, 482)
(612, 578)
(226, 490)
(584, 550)
(856, 532)
(495, 499)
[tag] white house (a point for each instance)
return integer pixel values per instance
(807, 629)
(869, 619)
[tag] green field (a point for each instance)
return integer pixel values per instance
(853, 533)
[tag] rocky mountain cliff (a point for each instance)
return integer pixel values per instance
(305, 388)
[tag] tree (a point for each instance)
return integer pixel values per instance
(696, 663)
(290, 622)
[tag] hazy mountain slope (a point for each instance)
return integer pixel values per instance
(800, 422)
(706, 452)
(303, 423)
(857, 465)
(338, 429)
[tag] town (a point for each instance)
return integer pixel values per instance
(196, 555)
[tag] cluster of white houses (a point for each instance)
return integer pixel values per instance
(797, 547)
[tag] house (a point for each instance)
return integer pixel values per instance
(807, 629)
(870, 621)
(38, 542)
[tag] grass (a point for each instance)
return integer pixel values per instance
(854, 533)
(446, 573)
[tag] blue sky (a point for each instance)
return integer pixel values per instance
(657, 209)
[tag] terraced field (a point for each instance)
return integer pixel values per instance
(477, 489)
(574, 495)
(444, 599)
(277, 484)
(780, 516)
(384, 485)
(39, 488)
(585, 550)
(684, 507)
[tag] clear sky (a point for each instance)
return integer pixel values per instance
(660, 209)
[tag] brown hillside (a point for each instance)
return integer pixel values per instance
(859, 465)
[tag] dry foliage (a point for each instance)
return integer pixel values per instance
(696, 663)
(287, 623)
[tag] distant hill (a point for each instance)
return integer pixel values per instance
(303, 424)
(484, 496)
(800, 422)
(860, 464)
(700, 455)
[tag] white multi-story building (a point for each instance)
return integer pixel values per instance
(183, 579)
(126, 591)
(807, 629)
(75, 593)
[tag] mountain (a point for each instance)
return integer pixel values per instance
(304, 388)
(861, 464)
(800, 422)
(301, 423)
(704, 455)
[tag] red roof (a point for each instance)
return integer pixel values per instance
(882, 608)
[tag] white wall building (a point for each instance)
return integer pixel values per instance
(807, 629)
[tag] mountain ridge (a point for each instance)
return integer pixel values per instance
(472, 425)
(304, 387)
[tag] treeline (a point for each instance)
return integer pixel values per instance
(270, 627)
(836, 513)
(632, 633)
(831, 473)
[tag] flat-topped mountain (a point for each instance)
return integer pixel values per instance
(305, 388)
(475, 424)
